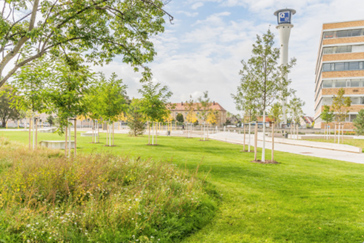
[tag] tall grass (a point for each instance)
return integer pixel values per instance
(47, 198)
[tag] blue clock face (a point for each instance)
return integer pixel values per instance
(284, 17)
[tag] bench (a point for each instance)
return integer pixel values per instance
(56, 144)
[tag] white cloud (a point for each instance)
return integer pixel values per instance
(197, 5)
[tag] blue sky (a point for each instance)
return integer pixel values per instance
(203, 47)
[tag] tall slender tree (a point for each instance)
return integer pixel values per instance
(263, 80)
(154, 103)
(204, 109)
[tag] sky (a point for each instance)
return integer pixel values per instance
(202, 49)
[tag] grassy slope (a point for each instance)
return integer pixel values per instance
(303, 199)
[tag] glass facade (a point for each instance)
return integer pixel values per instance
(343, 83)
(343, 33)
(342, 66)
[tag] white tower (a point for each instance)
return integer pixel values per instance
(284, 27)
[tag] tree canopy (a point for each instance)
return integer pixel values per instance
(99, 29)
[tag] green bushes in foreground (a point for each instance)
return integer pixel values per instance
(100, 198)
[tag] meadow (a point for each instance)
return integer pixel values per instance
(301, 199)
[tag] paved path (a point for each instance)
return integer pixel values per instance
(315, 152)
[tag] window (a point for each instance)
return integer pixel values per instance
(352, 117)
(354, 66)
(327, 84)
(343, 49)
(358, 48)
(329, 34)
(328, 50)
(340, 83)
(339, 66)
(326, 67)
(342, 33)
(355, 83)
(356, 32)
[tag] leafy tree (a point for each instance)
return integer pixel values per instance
(112, 100)
(154, 103)
(327, 115)
(66, 87)
(7, 111)
(180, 118)
(136, 120)
(340, 106)
(50, 120)
(359, 123)
(263, 80)
(295, 109)
(213, 117)
(29, 83)
(190, 109)
(99, 29)
(276, 113)
(204, 108)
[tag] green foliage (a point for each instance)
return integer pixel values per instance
(340, 105)
(67, 85)
(100, 198)
(50, 120)
(7, 111)
(136, 120)
(359, 123)
(295, 109)
(99, 30)
(111, 97)
(327, 115)
(276, 112)
(204, 106)
(154, 101)
(180, 118)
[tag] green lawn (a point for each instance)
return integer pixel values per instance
(302, 199)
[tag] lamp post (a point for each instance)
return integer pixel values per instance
(284, 27)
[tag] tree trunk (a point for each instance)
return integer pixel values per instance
(148, 132)
(30, 133)
(249, 138)
(156, 134)
(256, 142)
(273, 143)
(263, 147)
(33, 132)
(98, 131)
(36, 133)
(113, 133)
(75, 149)
(69, 142)
(65, 144)
(244, 140)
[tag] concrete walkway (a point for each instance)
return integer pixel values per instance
(295, 149)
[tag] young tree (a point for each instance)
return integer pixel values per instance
(276, 113)
(50, 120)
(180, 118)
(136, 121)
(204, 108)
(327, 115)
(263, 80)
(112, 101)
(359, 123)
(295, 109)
(29, 83)
(7, 111)
(67, 86)
(340, 106)
(98, 29)
(154, 103)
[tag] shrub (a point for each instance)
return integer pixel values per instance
(45, 197)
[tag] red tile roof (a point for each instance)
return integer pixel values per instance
(182, 106)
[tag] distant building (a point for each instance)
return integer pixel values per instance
(183, 109)
(340, 64)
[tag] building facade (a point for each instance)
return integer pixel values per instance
(182, 108)
(340, 64)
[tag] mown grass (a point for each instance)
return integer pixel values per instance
(302, 199)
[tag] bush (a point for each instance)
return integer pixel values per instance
(45, 197)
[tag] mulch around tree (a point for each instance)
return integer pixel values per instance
(266, 162)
